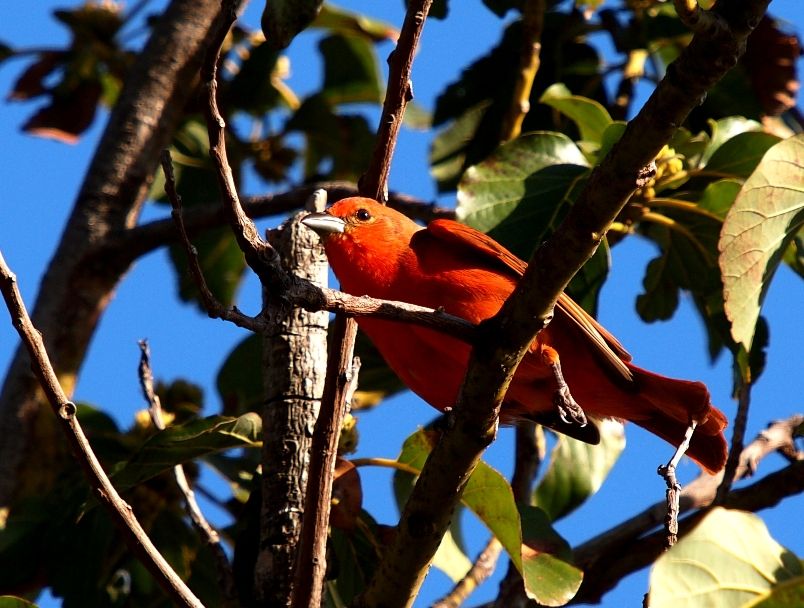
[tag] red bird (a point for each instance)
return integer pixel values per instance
(378, 252)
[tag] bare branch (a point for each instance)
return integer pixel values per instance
(482, 569)
(737, 439)
(311, 562)
(607, 558)
(205, 531)
(121, 513)
(374, 182)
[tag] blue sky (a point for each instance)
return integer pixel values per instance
(41, 179)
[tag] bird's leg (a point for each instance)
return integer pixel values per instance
(568, 409)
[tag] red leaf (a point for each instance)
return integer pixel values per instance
(347, 496)
(770, 60)
(30, 83)
(67, 116)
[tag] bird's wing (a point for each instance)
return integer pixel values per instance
(460, 235)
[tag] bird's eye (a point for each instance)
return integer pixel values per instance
(363, 215)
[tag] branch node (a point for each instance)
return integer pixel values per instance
(67, 410)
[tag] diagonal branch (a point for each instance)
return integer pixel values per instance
(65, 411)
(505, 338)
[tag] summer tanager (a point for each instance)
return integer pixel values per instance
(378, 252)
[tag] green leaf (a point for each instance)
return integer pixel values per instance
(764, 220)
(342, 21)
(283, 19)
(610, 136)
(577, 470)
(488, 495)
(520, 193)
(725, 129)
(449, 150)
(590, 116)
(740, 155)
(252, 88)
(546, 560)
(239, 380)
(729, 559)
(351, 74)
(719, 196)
(788, 594)
(179, 444)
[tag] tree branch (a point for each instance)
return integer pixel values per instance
(609, 557)
(374, 182)
(505, 338)
(294, 367)
(123, 517)
(312, 563)
(78, 285)
(205, 531)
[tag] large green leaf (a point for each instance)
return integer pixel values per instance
(520, 192)
(488, 495)
(725, 129)
(577, 470)
(180, 444)
(765, 218)
(589, 115)
(729, 559)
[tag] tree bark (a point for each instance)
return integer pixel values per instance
(294, 363)
(79, 283)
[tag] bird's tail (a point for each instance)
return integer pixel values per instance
(676, 403)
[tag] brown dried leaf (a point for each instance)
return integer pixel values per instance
(66, 116)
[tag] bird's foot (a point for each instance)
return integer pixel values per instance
(568, 409)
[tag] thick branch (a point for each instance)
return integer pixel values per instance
(77, 286)
(506, 337)
(294, 369)
(65, 411)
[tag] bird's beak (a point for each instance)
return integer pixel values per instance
(324, 224)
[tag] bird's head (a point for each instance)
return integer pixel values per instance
(362, 237)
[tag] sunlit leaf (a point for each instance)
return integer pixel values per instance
(520, 193)
(488, 495)
(550, 578)
(765, 218)
(590, 116)
(577, 470)
(729, 559)
(180, 444)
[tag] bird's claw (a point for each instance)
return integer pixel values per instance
(568, 409)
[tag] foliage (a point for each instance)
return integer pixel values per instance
(727, 186)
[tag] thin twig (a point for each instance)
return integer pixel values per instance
(668, 472)
(482, 569)
(374, 182)
(737, 439)
(135, 537)
(609, 557)
(213, 307)
(529, 61)
(311, 555)
(205, 531)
